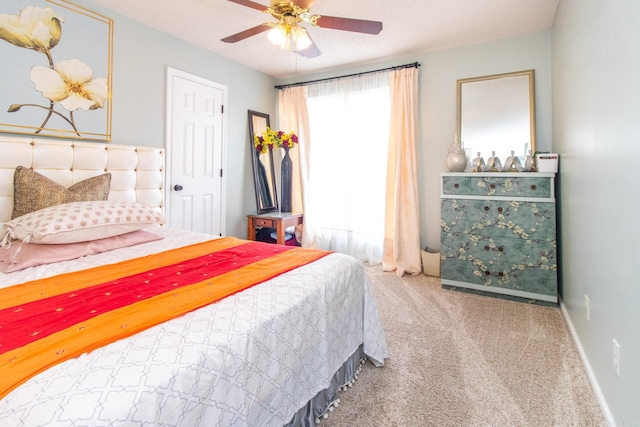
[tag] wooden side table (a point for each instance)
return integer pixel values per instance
(277, 220)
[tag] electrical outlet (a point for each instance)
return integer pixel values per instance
(587, 308)
(616, 357)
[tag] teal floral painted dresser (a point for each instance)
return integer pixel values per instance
(498, 234)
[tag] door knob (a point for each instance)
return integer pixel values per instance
(177, 187)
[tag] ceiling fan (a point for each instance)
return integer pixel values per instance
(287, 32)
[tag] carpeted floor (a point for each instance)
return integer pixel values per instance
(459, 359)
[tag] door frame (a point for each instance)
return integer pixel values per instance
(171, 74)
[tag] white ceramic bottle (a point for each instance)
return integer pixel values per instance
(457, 157)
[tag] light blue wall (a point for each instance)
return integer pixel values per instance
(141, 56)
(439, 72)
(596, 130)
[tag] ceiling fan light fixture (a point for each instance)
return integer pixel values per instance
(279, 36)
(300, 37)
(287, 36)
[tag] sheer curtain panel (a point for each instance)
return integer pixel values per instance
(357, 165)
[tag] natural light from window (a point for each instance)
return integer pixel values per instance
(349, 133)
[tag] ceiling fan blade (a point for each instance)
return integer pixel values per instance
(348, 24)
(310, 52)
(246, 33)
(250, 4)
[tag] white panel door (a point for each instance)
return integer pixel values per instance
(195, 198)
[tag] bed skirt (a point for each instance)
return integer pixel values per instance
(325, 400)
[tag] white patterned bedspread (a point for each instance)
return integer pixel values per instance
(252, 359)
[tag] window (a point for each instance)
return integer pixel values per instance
(349, 134)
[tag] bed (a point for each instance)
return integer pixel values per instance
(273, 352)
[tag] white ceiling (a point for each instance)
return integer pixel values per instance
(409, 27)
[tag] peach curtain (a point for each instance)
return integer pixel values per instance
(401, 248)
(293, 116)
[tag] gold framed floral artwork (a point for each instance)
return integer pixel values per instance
(56, 75)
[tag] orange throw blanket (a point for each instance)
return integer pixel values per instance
(48, 321)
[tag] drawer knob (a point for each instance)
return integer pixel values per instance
(501, 274)
(492, 186)
(500, 210)
(500, 249)
(487, 273)
(486, 248)
(533, 187)
(486, 208)
(456, 185)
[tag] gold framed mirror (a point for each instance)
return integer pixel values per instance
(263, 169)
(497, 113)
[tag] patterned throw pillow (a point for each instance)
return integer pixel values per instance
(81, 222)
(33, 191)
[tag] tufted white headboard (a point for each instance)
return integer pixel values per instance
(137, 172)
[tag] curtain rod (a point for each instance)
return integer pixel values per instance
(397, 67)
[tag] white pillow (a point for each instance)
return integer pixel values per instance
(81, 222)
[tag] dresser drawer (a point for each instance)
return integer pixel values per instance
(507, 263)
(261, 222)
(501, 275)
(498, 218)
(518, 254)
(530, 186)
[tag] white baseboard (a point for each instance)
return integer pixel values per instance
(611, 422)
